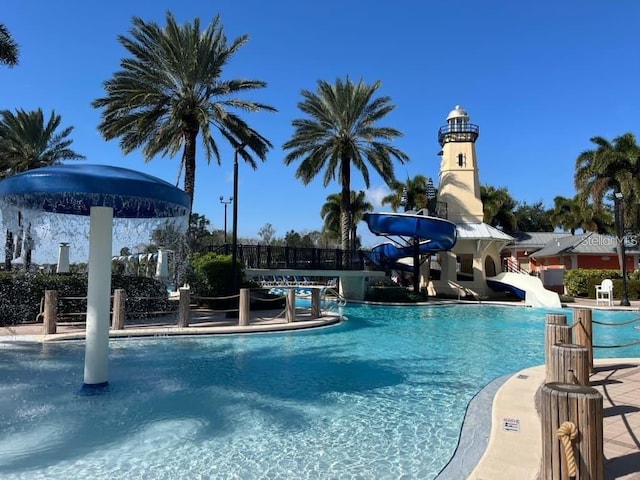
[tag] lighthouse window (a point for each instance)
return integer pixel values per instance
(462, 160)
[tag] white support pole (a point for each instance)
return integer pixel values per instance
(63, 258)
(162, 266)
(98, 297)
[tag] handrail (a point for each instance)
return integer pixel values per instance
(272, 257)
(511, 265)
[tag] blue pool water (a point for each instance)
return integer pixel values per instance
(381, 396)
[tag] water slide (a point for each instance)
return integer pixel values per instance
(433, 234)
(526, 287)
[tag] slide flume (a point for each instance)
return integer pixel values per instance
(434, 234)
(526, 287)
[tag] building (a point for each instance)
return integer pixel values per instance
(476, 254)
(549, 255)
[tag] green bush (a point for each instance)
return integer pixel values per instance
(581, 282)
(394, 295)
(210, 274)
(22, 293)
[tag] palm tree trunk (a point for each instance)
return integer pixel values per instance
(189, 161)
(345, 201)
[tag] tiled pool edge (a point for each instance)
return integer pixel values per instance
(475, 433)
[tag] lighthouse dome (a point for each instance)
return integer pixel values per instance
(458, 112)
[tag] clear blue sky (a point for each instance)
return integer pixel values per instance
(539, 78)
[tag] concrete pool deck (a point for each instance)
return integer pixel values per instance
(487, 449)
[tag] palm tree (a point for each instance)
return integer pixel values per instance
(412, 194)
(567, 214)
(498, 205)
(342, 132)
(571, 214)
(8, 48)
(610, 167)
(359, 206)
(170, 90)
(27, 142)
(331, 213)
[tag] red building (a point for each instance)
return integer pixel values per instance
(563, 251)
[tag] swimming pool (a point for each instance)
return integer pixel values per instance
(380, 396)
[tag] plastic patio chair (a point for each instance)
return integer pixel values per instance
(604, 292)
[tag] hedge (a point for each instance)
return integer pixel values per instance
(21, 294)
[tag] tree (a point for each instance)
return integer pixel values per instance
(357, 208)
(331, 213)
(533, 218)
(267, 233)
(498, 207)
(413, 194)
(571, 214)
(567, 214)
(170, 90)
(27, 142)
(8, 48)
(342, 131)
(610, 167)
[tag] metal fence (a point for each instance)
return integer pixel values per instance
(268, 256)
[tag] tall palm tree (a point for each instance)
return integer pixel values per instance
(331, 213)
(8, 48)
(610, 167)
(499, 206)
(28, 142)
(342, 131)
(412, 193)
(170, 90)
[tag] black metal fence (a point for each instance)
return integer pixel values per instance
(267, 256)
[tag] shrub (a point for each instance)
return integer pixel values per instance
(581, 282)
(21, 294)
(394, 295)
(210, 274)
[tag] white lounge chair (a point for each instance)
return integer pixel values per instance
(604, 292)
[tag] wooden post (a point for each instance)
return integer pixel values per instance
(583, 407)
(244, 307)
(183, 307)
(553, 334)
(119, 312)
(556, 319)
(290, 305)
(583, 326)
(569, 364)
(315, 303)
(50, 311)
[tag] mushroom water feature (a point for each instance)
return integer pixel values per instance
(103, 193)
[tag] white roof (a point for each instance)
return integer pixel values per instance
(480, 231)
(457, 113)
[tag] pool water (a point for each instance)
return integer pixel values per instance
(381, 396)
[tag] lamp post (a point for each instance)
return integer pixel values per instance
(234, 238)
(225, 203)
(618, 201)
(431, 195)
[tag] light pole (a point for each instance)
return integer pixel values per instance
(234, 238)
(225, 203)
(431, 195)
(618, 201)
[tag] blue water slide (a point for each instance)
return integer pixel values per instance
(434, 234)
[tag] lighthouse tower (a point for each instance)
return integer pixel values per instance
(459, 187)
